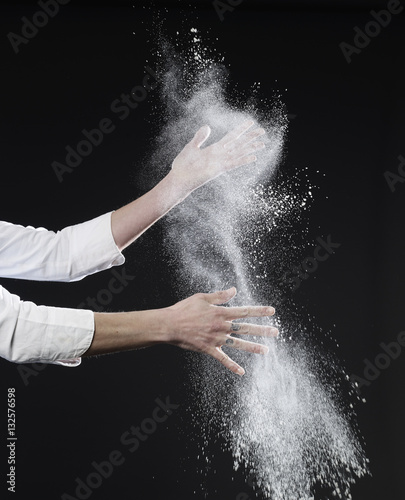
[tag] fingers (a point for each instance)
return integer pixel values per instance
(246, 345)
(223, 358)
(230, 313)
(240, 156)
(217, 326)
(220, 297)
(257, 330)
(253, 134)
(245, 149)
(200, 136)
(245, 138)
(239, 162)
(237, 132)
(242, 345)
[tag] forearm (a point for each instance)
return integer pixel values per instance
(130, 221)
(196, 323)
(67, 255)
(127, 331)
(192, 168)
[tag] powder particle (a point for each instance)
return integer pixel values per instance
(285, 421)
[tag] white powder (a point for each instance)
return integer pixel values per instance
(286, 421)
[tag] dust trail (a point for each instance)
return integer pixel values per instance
(285, 421)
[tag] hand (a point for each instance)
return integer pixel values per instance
(196, 166)
(199, 324)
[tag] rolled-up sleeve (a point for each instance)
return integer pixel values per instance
(30, 333)
(36, 333)
(67, 255)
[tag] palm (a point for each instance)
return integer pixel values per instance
(197, 166)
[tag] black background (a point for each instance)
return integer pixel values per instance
(348, 124)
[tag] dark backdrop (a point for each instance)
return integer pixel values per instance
(346, 122)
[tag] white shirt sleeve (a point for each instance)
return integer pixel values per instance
(30, 333)
(43, 334)
(68, 255)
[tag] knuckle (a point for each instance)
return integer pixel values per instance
(215, 326)
(216, 313)
(256, 348)
(224, 359)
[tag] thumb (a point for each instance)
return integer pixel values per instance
(222, 296)
(201, 136)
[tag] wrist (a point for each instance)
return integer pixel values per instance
(166, 329)
(153, 323)
(179, 185)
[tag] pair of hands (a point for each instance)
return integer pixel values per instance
(198, 322)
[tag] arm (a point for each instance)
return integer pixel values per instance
(39, 254)
(43, 334)
(86, 248)
(196, 323)
(68, 255)
(192, 168)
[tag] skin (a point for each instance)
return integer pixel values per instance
(198, 323)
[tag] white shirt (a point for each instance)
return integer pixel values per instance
(30, 333)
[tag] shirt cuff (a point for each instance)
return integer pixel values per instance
(43, 334)
(69, 335)
(81, 337)
(103, 253)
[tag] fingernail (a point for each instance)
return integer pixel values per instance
(265, 350)
(271, 310)
(274, 331)
(240, 371)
